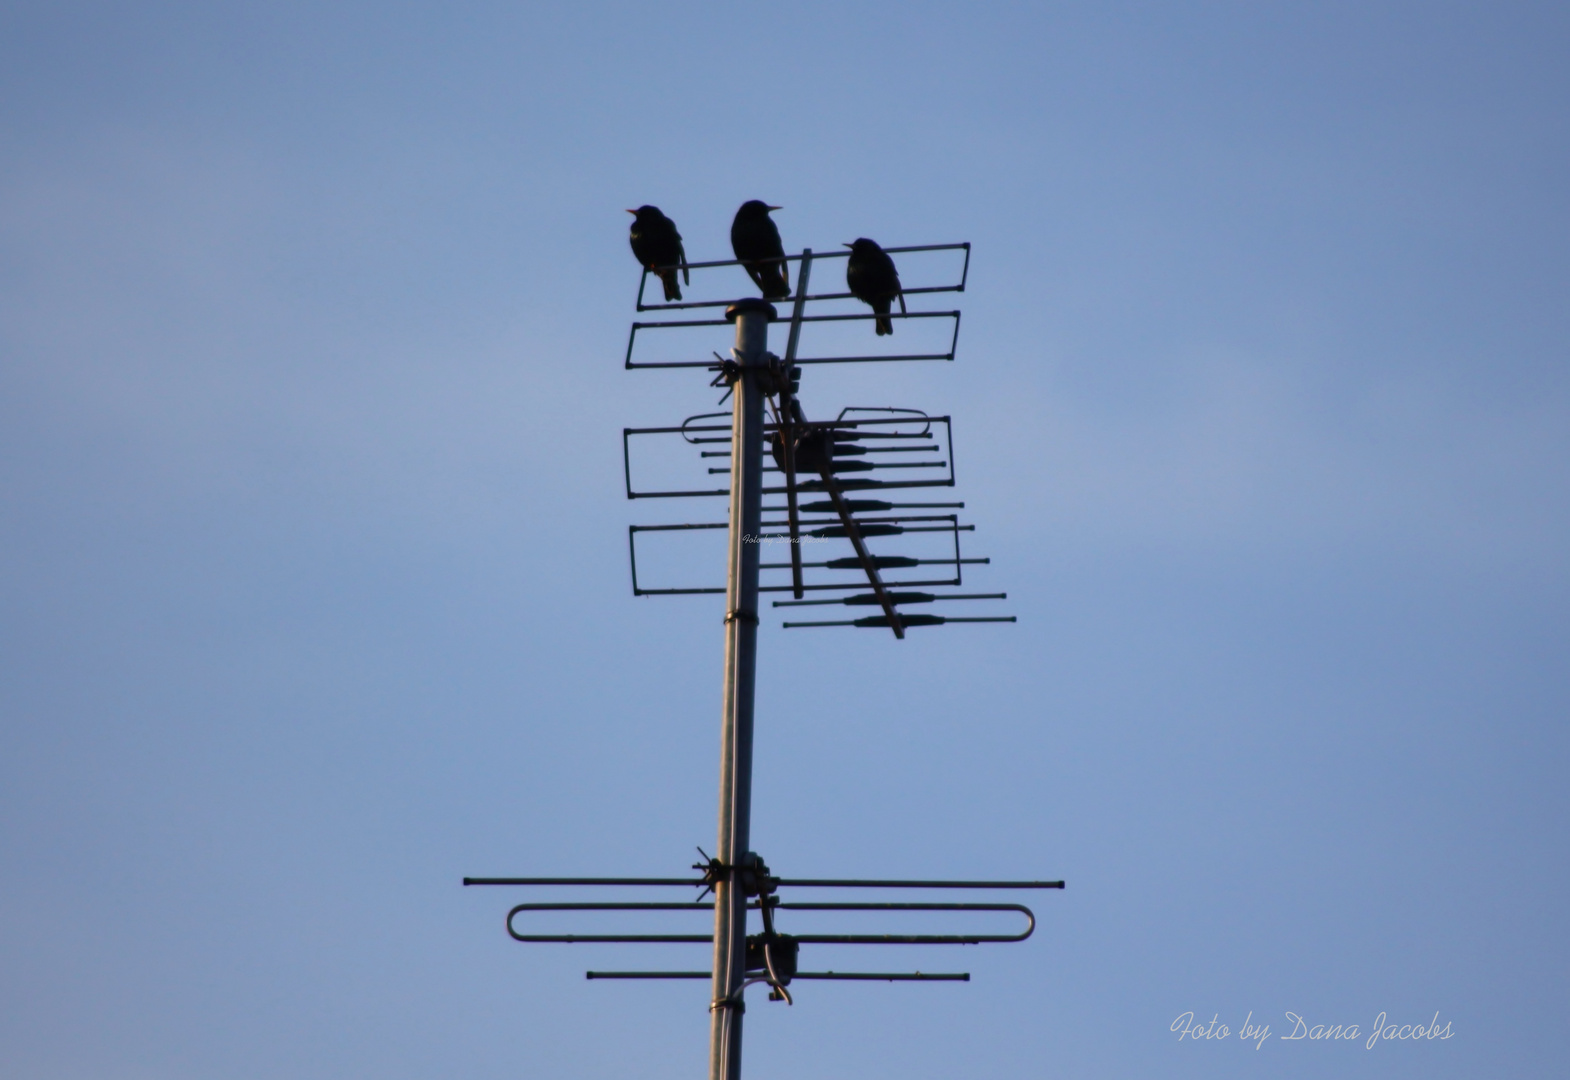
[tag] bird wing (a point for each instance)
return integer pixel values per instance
(681, 257)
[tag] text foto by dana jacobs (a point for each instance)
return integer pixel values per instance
(1298, 1029)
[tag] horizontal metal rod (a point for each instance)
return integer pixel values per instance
(582, 881)
(828, 532)
(712, 366)
(937, 528)
(889, 905)
(861, 466)
(806, 939)
(831, 587)
(815, 508)
(688, 592)
(851, 601)
(617, 939)
(684, 305)
(883, 519)
(884, 565)
(774, 904)
(854, 316)
(816, 883)
(848, 423)
(870, 516)
(678, 528)
(854, 485)
(780, 905)
(842, 586)
(871, 623)
(911, 883)
(856, 976)
(907, 939)
(668, 323)
(798, 939)
(864, 465)
(850, 484)
(605, 939)
(886, 976)
(872, 359)
(856, 436)
(841, 433)
(616, 905)
(868, 316)
(817, 256)
(702, 494)
(931, 448)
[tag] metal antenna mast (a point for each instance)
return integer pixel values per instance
(825, 470)
(741, 663)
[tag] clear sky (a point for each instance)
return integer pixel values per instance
(313, 536)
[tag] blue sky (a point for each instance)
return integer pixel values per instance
(314, 584)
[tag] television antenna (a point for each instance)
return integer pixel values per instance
(849, 480)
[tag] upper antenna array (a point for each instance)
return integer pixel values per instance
(823, 472)
(946, 266)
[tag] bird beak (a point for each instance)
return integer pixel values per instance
(772, 208)
(634, 213)
(848, 245)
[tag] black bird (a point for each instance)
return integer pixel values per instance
(756, 242)
(872, 279)
(657, 245)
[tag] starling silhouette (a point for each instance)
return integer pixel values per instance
(756, 242)
(872, 279)
(657, 245)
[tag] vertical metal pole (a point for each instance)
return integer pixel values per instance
(787, 433)
(741, 652)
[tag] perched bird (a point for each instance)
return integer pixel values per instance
(872, 279)
(657, 245)
(756, 242)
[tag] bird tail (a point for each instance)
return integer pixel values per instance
(776, 285)
(672, 290)
(883, 323)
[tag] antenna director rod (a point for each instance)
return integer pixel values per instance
(741, 654)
